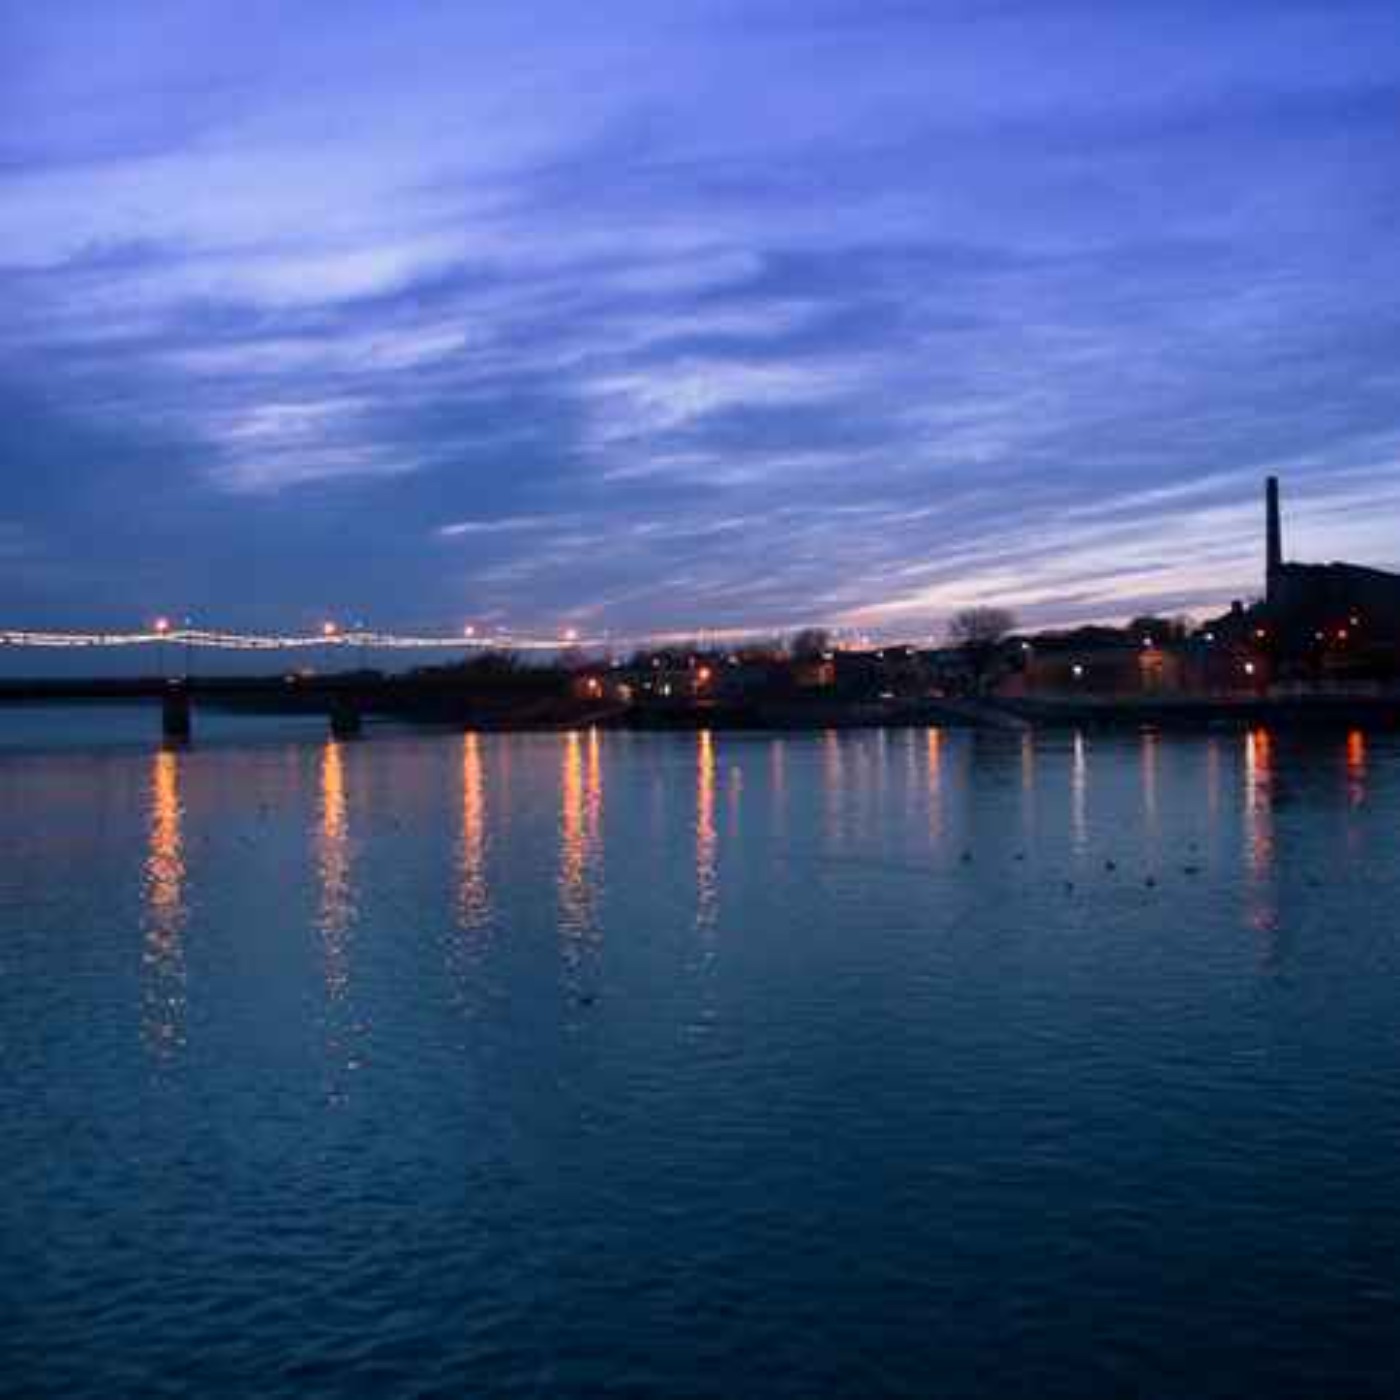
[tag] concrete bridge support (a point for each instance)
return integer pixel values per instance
(177, 713)
(346, 720)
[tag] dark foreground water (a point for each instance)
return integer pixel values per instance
(907, 1063)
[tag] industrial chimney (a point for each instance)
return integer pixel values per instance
(1274, 564)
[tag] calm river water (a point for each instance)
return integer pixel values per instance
(882, 1063)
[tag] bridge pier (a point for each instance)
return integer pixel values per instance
(346, 720)
(176, 717)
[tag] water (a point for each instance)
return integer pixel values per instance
(678, 1065)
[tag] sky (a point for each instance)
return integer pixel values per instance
(645, 317)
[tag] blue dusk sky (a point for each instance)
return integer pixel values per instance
(665, 315)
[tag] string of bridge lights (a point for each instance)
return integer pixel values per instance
(330, 634)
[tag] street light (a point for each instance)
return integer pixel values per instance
(162, 630)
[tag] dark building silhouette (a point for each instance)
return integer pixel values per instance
(1273, 563)
(1316, 622)
(1335, 617)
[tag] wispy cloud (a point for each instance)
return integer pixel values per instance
(503, 525)
(716, 314)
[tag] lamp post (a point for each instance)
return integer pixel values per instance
(162, 630)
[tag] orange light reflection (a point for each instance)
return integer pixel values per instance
(473, 896)
(1356, 767)
(163, 954)
(706, 836)
(337, 907)
(934, 765)
(1259, 829)
(580, 834)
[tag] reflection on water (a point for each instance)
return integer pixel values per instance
(1150, 758)
(1356, 767)
(163, 956)
(336, 915)
(1258, 815)
(1028, 783)
(777, 784)
(473, 896)
(580, 835)
(337, 905)
(833, 782)
(935, 785)
(706, 837)
(963, 1069)
(1079, 794)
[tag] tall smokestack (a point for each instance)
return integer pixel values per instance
(1275, 545)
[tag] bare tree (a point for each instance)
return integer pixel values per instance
(810, 643)
(978, 633)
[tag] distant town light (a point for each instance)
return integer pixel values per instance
(1210, 636)
(1249, 668)
(702, 676)
(1341, 634)
(1261, 632)
(571, 634)
(1077, 671)
(162, 625)
(1147, 641)
(469, 630)
(329, 629)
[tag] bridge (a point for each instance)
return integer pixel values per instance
(344, 700)
(524, 698)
